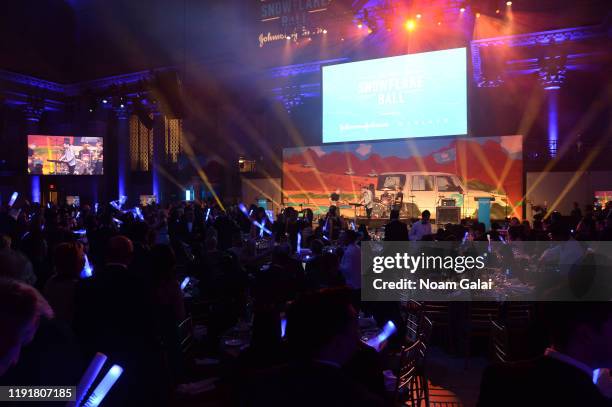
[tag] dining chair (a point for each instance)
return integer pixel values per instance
(411, 384)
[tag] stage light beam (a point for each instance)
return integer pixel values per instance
(410, 25)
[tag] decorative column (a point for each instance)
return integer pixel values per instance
(158, 154)
(123, 150)
(33, 112)
(551, 75)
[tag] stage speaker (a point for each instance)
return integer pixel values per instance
(448, 214)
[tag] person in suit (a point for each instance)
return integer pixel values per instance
(581, 334)
(396, 230)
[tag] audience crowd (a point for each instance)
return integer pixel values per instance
(79, 280)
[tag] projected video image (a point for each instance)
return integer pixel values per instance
(63, 155)
(416, 95)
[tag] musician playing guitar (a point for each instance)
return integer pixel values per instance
(68, 157)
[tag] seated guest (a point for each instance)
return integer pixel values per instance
(395, 230)
(422, 228)
(114, 315)
(322, 337)
(581, 334)
(21, 308)
(59, 290)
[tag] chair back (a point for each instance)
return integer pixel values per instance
(410, 384)
(499, 344)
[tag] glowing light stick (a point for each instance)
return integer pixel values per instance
(96, 207)
(388, 330)
(115, 204)
(465, 237)
(138, 213)
(207, 213)
(299, 242)
(489, 239)
(185, 282)
(353, 226)
(263, 226)
(87, 270)
(13, 198)
(596, 375)
(48, 205)
(88, 378)
(250, 213)
(117, 221)
(104, 387)
(283, 327)
(243, 209)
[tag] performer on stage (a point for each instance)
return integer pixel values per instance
(334, 198)
(367, 200)
(399, 199)
(68, 157)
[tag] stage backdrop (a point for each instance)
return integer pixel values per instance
(426, 170)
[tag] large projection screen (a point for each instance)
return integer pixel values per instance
(415, 95)
(65, 155)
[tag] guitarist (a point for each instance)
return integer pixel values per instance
(68, 157)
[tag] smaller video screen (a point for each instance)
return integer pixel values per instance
(65, 155)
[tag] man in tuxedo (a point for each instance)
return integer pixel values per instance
(581, 334)
(396, 230)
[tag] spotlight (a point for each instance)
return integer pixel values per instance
(439, 22)
(90, 110)
(104, 101)
(410, 25)
(477, 15)
(369, 31)
(497, 11)
(122, 106)
(324, 31)
(508, 3)
(462, 10)
(419, 16)
(288, 38)
(359, 25)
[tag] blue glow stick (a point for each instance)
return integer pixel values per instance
(185, 282)
(283, 327)
(263, 226)
(48, 205)
(96, 207)
(388, 330)
(596, 375)
(250, 213)
(465, 237)
(299, 242)
(87, 270)
(13, 198)
(243, 209)
(88, 378)
(115, 205)
(139, 213)
(117, 221)
(104, 387)
(207, 213)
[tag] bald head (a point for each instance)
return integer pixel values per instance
(120, 250)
